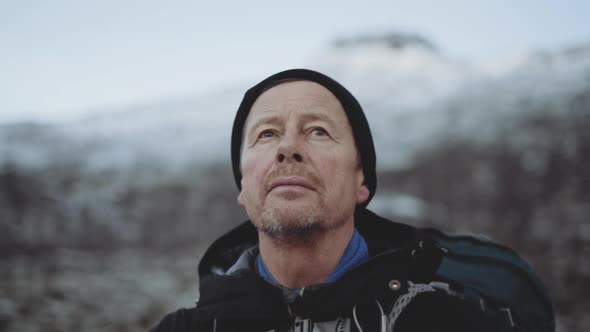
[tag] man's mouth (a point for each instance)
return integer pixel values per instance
(290, 182)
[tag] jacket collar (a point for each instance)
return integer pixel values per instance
(381, 235)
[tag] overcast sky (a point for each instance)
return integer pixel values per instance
(60, 59)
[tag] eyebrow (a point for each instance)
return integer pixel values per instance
(264, 120)
(307, 117)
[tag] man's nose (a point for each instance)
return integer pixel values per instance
(289, 149)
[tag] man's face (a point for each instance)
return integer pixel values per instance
(300, 167)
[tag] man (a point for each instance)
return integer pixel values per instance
(312, 257)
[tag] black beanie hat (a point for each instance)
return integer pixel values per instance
(354, 113)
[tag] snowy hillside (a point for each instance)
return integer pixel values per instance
(409, 90)
(173, 132)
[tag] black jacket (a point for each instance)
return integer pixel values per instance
(233, 297)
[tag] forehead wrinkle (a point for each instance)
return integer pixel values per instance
(325, 101)
(317, 116)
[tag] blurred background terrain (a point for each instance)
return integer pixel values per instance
(104, 215)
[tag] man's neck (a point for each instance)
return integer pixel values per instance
(308, 262)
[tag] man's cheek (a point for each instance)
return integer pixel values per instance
(260, 173)
(327, 167)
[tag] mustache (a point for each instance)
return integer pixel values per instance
(292, 170)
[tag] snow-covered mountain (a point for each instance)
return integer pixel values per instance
(413, 94)
(410, 92)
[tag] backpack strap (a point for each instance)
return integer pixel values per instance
(490, 277)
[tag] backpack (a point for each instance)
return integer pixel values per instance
(494, 278)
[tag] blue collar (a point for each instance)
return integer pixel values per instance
(356, 253)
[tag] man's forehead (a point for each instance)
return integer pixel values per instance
(294, 94)
(311, 100)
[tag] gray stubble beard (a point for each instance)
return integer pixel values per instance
(300, 229)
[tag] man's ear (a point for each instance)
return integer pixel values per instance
(362, 194)
(241, 199)
(240, 196)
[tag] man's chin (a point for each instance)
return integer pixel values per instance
(291, 222)
(291, 234)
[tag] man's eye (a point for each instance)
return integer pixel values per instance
(266, 133)
(319, 131)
